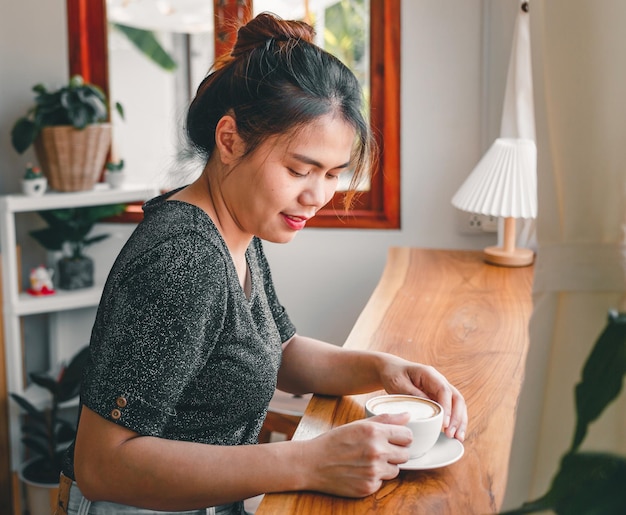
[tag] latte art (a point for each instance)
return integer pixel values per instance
(425, 421)
(416, 409)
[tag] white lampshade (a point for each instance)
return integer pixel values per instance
(504, 182)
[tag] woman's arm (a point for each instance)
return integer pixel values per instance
(311, 365)
(115, 464)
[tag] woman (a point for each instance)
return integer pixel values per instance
(190, 340)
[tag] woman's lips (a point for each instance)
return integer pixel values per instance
(295, 223)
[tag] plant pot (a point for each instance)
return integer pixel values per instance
(115, 179)
(75, 273)
(34, 187)
(41, 495)
(73, 159)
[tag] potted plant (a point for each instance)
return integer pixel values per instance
(590, 483)
(115, 175)
(46, 434)
(70, 133)
(34, 183)
(68, 231)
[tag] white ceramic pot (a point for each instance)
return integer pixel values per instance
(115, 179)
(41, 498)
(34, 187)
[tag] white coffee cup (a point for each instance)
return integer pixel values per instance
(425, 423)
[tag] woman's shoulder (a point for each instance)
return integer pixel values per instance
(166, 220)
(177, 234)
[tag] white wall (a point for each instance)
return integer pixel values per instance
(33, 49)
(454, 58)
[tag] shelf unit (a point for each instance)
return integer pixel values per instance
(17, 305)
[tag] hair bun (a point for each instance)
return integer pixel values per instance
(267, 26)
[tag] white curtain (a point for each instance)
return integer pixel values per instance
(579, 69)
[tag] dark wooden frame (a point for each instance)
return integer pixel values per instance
(378, 208)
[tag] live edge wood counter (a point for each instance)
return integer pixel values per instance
(469, 320)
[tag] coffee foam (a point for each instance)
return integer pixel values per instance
(416, 408)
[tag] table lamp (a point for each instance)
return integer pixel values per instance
(504, 182)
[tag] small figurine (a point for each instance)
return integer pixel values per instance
(34, 183)
(41, 281)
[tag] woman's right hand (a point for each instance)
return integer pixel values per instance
(353, 460)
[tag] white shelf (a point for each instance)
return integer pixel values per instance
(61, 300)
(16, 305)
(102, 194)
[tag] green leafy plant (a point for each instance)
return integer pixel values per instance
(590, 483)
(32, 172)
(115, 167)
(78, 104)
(147, 43)
(45, 433)
(73, 226)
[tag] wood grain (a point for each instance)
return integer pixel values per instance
(5, 450)
(10, 489)
(469, 320)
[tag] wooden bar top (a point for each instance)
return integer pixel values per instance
(449, 309)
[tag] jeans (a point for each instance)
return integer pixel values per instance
(79, 505)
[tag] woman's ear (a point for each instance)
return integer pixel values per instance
(227, 140)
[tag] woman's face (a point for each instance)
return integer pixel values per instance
(274, 191)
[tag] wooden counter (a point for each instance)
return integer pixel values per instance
(470, 321)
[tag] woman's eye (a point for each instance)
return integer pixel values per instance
(296, 174)
(332, 176)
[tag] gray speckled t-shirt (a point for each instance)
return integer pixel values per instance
(177, 349)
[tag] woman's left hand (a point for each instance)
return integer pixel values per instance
(404, 377)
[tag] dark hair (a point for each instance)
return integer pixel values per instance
(275, 80)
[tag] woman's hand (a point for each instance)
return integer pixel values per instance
(354, 459)
(401, 376)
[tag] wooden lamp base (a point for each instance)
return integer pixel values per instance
(516, 257)
(509, 254)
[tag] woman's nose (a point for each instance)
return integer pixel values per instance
(317, 192)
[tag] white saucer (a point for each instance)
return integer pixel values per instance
(445, 452)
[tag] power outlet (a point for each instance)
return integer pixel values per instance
(473, 223)
(490, 223)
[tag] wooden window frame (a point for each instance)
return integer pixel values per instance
(378, 208)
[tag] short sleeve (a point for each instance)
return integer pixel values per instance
(157, 323)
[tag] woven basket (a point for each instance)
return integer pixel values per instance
(72, 159)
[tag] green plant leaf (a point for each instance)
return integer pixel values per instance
(147, 43)
(69, 384)
(65, 432)
(39, 445)
(115, 167)
(120, 109)
(95, 213)
(37, 429)
(28, 407)
(72, 225)
(586, 484)
(39, 89)
(45, 381)
(602, 376)
(76, 81)
(48, 238)
(80, 116)
(78, 104)
(23, 134)
(591, 483)
(95, 239)
(92, 100)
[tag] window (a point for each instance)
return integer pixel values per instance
(376, 207)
